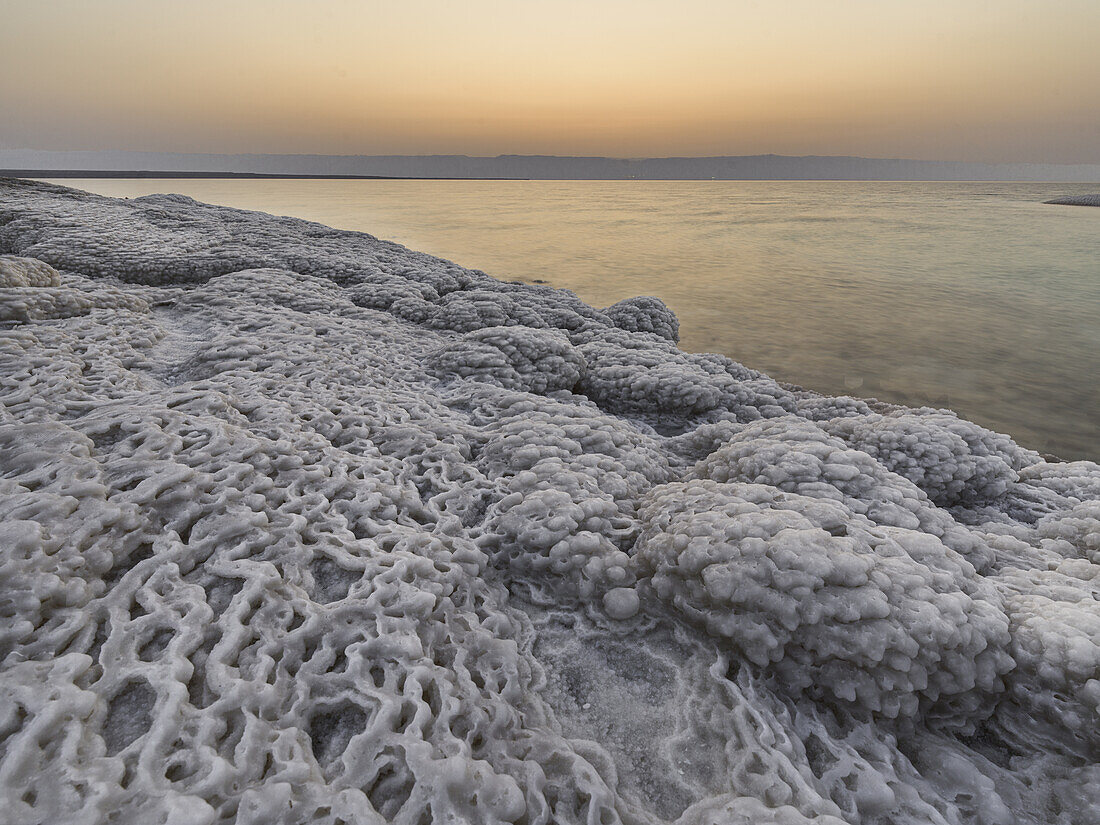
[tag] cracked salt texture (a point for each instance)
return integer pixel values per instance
(297, 526)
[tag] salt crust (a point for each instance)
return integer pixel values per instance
(301, 526)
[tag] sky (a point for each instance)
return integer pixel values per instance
(995, 81)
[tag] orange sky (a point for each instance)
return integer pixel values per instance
(963, 80)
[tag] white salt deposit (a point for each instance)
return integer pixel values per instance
(299, 526)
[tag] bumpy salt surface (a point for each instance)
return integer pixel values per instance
(301, 526)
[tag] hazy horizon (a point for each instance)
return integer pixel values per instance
(46, 164)
(8, 150)
(942, 81)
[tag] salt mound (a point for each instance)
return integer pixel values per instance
(17, 272)
(645, 314)
(515, 357)
(299, 526)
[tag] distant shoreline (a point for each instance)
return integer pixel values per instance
(1076, 200)
(146, 174)
(530, 167)
(36, 174)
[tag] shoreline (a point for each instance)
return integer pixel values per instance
(606, 255)
(1076, 200)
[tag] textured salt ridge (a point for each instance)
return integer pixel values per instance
(1077, 200)
(301, 526)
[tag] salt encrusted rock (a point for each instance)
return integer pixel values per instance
(954, 461)
(887, 619)
(799, 457)
(385, 292)
(22, 272)
(172, 239)
(1072, 481)
(556, 521)
(515, 358)
(1073, 533)
(624, 380)
(1055, 688)
(477, 309)
(527, 430)
(643, 376)
(31, 290)
(1043, 489)
(40, 303)
(645, 313)
(621, 602)
(822, 408)
(306, 527)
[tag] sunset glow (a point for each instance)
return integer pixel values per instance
(1013, 81)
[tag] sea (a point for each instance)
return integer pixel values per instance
(976, 297)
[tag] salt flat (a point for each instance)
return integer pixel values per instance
(298, 525)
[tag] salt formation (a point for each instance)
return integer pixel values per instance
(299, 526)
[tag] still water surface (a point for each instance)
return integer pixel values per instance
(973, 296)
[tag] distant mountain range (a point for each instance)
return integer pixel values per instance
(549, 167)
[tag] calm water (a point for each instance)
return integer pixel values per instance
(973, 296)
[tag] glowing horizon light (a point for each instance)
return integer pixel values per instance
(936, 80)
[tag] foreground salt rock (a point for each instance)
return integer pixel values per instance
(299, 526)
